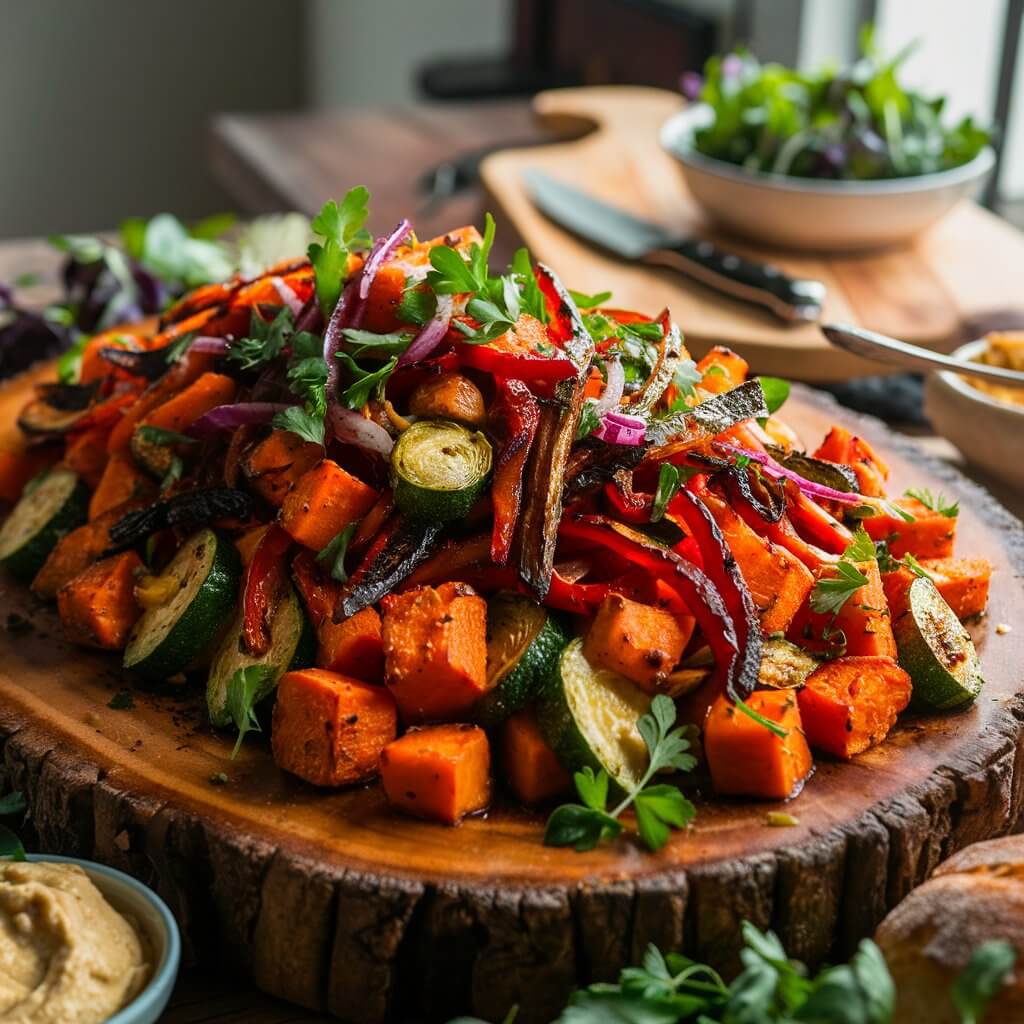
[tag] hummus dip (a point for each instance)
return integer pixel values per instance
(1005, 349)
(66, 956)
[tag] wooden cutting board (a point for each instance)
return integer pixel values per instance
(966, 266)
(331, 900)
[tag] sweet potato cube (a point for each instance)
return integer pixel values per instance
(930, 535)
(850, 704)
(98, 606)
(122, 481)
(962, 582)
(435, 650)
(330, 729)
(440, 772)
(278, 462)
(86, 453)
(746, 759)
(840, 445)
(863, 625)
(722, 369)
(202, 395)
(353, 647)
(322, 503)
(636, 640)
(532, 771)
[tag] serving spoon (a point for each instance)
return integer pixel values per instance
(884, 349)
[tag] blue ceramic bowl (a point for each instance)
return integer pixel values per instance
(151, 915)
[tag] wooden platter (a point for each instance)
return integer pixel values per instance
(331, 901)
(924, 292)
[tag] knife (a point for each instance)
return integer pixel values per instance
(791, 299)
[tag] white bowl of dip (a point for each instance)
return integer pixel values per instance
(153, 925)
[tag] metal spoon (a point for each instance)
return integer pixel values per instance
(884, 349)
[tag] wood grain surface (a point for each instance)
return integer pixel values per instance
(923, 292)
(331, 901)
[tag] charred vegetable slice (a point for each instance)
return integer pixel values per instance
(524, 641)
(58, 505)
(57, 409)
(936, 650)
(171, 636)
(438, 469)
(784, 665)
(292, 646)
(589, 719)
(819, 471)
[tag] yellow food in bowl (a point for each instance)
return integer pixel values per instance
(1005, 349)
(66, 955)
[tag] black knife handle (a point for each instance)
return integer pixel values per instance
(789, 298)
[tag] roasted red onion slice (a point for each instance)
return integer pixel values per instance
(230, 417)
(609, 400)
(352, 427)
(777, 471)
(431, 334)
(204, 343)
(621, 428)
(287, 294)
(380, 254)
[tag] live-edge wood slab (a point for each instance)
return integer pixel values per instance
(925, 291)
(333, 902)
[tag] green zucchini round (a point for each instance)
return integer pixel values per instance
(936, 651)
(524, 641)
(170, 638)
(45, 513)
(438, 469)
(292, 645)
(588, 717)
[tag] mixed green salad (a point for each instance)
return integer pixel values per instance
(856, 123)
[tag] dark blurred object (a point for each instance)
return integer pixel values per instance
(580, 42)
(897, 399)
(26, 337)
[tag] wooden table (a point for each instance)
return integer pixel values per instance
(392, 159)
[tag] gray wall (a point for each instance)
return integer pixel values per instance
(104, 103)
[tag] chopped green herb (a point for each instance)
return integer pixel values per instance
(776, 391)
(397, 341)
(418, 305)
(985, 974)
(341, 228)
(532, 298)
(936, 502)
(668, 488)
(589, 301)
(265, 341)
(218, 779)
(658, 808)
(589, 421)
(69, 363)
(296, 419)
(160, 436)
(244, 688)
(831, 593)
(333, 555)
(307, 379)
(365, 382)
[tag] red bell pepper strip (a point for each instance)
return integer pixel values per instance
(516, 413)
(264, 579)
(372, 522)
(106, 412)
(813, 522)
(696, 591)
(514, 356)
(627, 504)
(318, 594)
(455, 557)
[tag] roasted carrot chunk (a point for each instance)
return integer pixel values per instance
(532, 771)
(779, 582)
(850, 704)
(17, 467)
(77, 550)
(840, 445)
(636, 640)
(440, 772)
(98, 606)
(329, 729)
(930, 535)
(722, 369)
(202, 395)
(122, 481)
(352, 647)
(451, 396)
(277, 462)
(746, 759)
(863, 625)
(322, 503)
(962, 582)
(435, 650)
(86, 453)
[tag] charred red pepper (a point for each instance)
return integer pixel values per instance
(518, 354)
(264, 579)
(629, 505)
(515, 415)
(318, 594)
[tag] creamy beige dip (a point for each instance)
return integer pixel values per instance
(66, 955)
(1006, 350)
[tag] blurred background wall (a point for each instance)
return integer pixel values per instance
(104, 103)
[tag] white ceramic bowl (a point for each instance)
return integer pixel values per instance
(815, 214)
(150, 913)
(990, 433)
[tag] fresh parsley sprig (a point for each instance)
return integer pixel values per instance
(658, 808)
(333, 555)
(831, 593)
(668, 487)
(937, 502)
(365, 383)
(265, 341)
(341, 228)
(244, 690)
(300, 422)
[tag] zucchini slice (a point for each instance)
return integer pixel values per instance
(936, 651)
(784, 665)
(588, 717)
(56, 506)
(524, 642)
(292, 645)
(438, 469)
(169, 638)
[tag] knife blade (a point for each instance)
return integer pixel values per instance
(793, 300)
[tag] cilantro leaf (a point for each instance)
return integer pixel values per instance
(264, 343)
(160, 436)
(936, 502)
(668, 488)
(831, 593)
(584, 301)
(861, 548)
(686, 378)
(589, 421)
(340, 227)
(659, 808)
(580, 827)
(453, 275)
(301, 422)
(245, 688)
(334, 553)
(532, 298)
(593, 789)
(776, 391)
(982, 978)
(365, 382)
(417, 306)
(307, 379)
(915, 566)
(396, 341)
